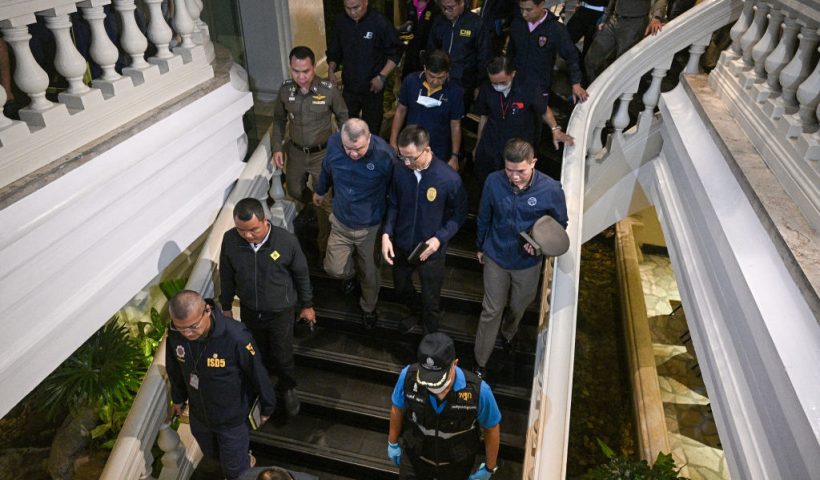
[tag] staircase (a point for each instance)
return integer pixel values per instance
(347, 374)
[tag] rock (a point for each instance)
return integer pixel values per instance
(28, 463)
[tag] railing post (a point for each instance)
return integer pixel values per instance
(184, 25)
(597, 145)
(621, 119)
(653, 93)
(695, 52)
(740, 27)
(782, 54)
(808, 95)
(68, 61)
(10, 130)
(160, 35)
(103, 51)
(173, 453)
(754, 33)
(764, 47)
(134, 43)
(797, 70)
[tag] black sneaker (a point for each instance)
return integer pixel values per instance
(348, 286)
(291, 403)
(509, 346)
(480, 371)
(407, 323)
(369, 319)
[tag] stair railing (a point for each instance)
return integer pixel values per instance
(548, 432)
(148, 419)
(83, 113)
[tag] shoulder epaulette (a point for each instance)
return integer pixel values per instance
(326, 84)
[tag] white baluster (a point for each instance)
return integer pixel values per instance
(764, 47)
(276, 191)
(754, 33)
(103, 51)
(184, 25)
(29, 76)
(653, 93)
(134, 43)
(741, 25)
(798, 69)
(68, 61)
(621, 119)
(782, 54)
(201, 34)
(11, 131)
(597, 145)
(173, 452)
(160, 35)
(695, 52)
(808, 95)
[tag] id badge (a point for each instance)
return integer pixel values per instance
(194, 381)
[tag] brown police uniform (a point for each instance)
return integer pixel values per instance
(308, 118)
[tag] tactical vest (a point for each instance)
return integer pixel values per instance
(448, 437)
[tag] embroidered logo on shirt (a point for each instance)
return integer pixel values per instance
(465, 396)
(368, 36)
(465, 33)
(275, 255)
(531, 201)
(215, 362)
(371, 167)
(427, 15)
(542, 40)
(180, 351)
(431, 194)
(319, 98)
(517, 107)
(249, 347)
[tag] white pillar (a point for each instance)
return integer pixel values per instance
(160, 35)
(103, 50)
(134, 43)
(68, 61)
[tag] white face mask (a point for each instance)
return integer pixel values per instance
(436, 391)
(503, 89)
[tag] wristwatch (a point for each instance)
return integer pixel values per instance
(458, 155)
(491, 470)
(383, 78)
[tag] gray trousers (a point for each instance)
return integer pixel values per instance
(500, 284)
(618, 35)
(299, 166)
(343, 244)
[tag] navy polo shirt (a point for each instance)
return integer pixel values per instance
(435, 119)
(515, 116)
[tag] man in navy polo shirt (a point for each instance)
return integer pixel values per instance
(511, 202)
(508, 108)
(429, 99)
(358, 166)
(427, 205)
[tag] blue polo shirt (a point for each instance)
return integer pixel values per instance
(359, 186)
(488, 413)
(435, 119)
(504, 212)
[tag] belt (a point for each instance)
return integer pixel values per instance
(629, 17)
(597, 8)
(313, 149)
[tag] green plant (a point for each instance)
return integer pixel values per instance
(112, 418)
(150, 336)
(622, 468)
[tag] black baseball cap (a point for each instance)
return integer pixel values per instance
(436, 353)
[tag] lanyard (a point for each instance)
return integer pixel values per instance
(504, 107)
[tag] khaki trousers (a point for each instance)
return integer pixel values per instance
(342, 246)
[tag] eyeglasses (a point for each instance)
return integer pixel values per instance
(189, 328)
(409, 160)
(449, 8)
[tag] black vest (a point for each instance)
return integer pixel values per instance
(448, 437)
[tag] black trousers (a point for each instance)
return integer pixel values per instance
(273, 332)
(418, 469)
(583, 24)
(368, 106)
(431, 274)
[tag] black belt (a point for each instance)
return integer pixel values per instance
(630, 17)
(313, 149)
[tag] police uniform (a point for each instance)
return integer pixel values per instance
(435, 116)
(219, 375)
(307, 117)
(420, 22)
(516, 115)
(442, 437)
(533, 52)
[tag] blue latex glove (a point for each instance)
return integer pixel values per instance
(394, 452)
(481, 474)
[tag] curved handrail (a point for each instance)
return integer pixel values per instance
(552, 384)
(131, 456)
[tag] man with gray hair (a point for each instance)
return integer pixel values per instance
(358, 166)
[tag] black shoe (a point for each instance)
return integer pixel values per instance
(369, 319)
(509, 346)
(348, 285)
(291, 402)
(479, 370)
(407, 323)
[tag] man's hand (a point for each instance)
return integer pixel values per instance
(376, 84)
(560, 137)
(579, 95)
(529, 248)
(179, 408)
(227, 313)
(394, 145)
(481, 474)
(387, 249)
(654, 27)
(453, 162)
(278, 159)
(308, 314)
(394, 453)
(318, 199)
(263, 419)
(432, 247)
(332, 78)
(480, 257)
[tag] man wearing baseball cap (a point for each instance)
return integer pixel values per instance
(437, 411)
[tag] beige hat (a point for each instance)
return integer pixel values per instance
(551, 236)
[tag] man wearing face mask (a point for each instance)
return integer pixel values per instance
(429, 99)
(509, 108)
(427, 204)
(436, 412)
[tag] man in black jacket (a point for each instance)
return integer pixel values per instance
(368, 45)
(212, 365)
(264, 266)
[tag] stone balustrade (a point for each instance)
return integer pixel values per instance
(148, 420)
(592, 158)
(772, 74)
(83, 113)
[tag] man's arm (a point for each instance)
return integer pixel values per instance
(656, 16)
(335, 53)
(458, 205)
(339, 107)
(396, 422)
(398, 122)
(570, 55)
(482, 121)
(179, 391)
(250, 363)
(455, 143)
(558, 136)
(226, 278)
(301, 274)
(485, 51)
(492, 440)
(484, 218)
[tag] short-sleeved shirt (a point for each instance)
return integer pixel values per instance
(514, 116)
(436, 119)
(307, 115)
(488, 413)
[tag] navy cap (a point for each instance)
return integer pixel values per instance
(436, 353)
